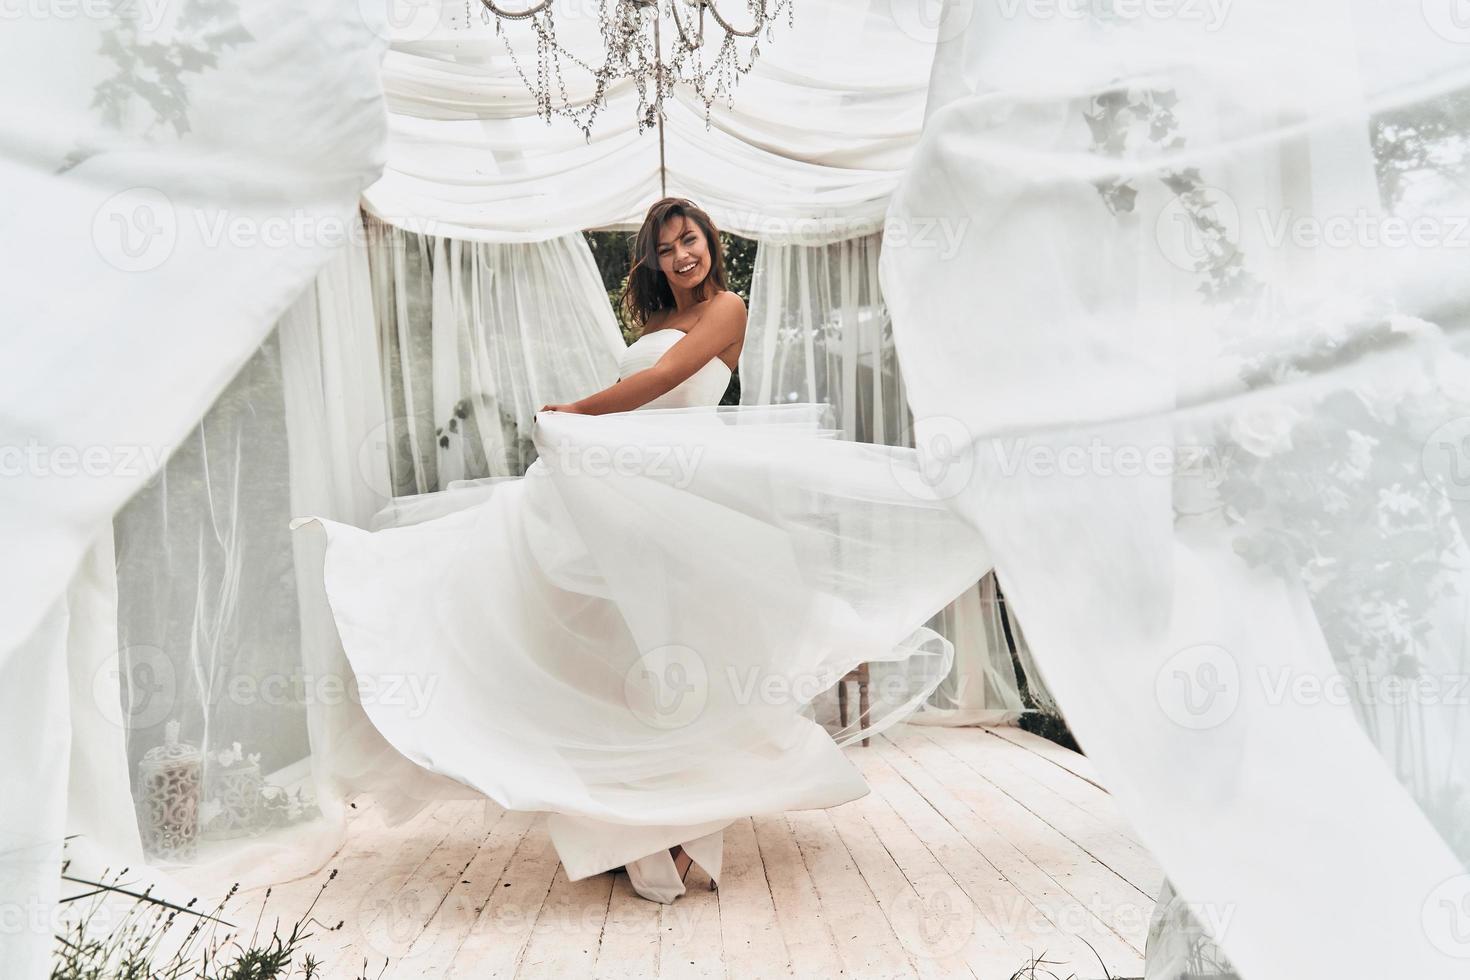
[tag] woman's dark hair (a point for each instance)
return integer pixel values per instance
(648, 289)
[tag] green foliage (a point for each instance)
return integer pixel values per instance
(1425, 139)
(739, 263)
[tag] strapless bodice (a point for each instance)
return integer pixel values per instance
(704, 387)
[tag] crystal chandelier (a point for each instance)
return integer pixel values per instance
(633, 48)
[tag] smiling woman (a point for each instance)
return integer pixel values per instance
(677, 283)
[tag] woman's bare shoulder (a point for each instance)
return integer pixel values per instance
(729, 299)
(655, 320)
(728, 306)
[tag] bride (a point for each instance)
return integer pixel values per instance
(632, 637)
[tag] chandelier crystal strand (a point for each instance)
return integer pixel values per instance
(633, 49)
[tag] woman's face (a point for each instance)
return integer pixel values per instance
(683, 252)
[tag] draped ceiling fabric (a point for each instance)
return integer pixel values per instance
(1201, 355)
(819, 132)
(155, 225)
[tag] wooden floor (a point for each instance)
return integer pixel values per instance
(978, 851)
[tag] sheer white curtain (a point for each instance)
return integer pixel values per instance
(220, 633)
(819, 331)
(477, 337)
(207, 630)
(193, 207)
(1212, 396)
(817, 136)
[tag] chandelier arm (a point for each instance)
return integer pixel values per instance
(529, 12)
(760, 18)
(698, 41)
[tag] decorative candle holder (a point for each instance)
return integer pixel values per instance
(168, 798)
(281, 807)
(233, 791)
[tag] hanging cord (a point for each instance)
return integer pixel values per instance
(658, 68)
(663, 185)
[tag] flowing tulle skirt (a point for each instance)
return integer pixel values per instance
(630, 637)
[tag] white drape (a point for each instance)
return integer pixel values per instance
(156, 225)
(818, 134)
(1214, 449)
(477, 337)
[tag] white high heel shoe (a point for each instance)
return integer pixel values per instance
(656, 877)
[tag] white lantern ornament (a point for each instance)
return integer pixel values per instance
(168, 798)
(232, 787)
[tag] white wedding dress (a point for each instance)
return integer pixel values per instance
(630, 637)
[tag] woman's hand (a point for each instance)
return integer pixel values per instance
(570, 408)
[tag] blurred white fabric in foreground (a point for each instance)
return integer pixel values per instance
(174, 176)
(1205, 396)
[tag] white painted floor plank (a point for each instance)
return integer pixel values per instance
(751, 938)
(865, 941)
(458, 914)
(915, 918)
(394, 896)
(498, 939)
(798, 910)
(568, 932)
(630, 937)
(690, 946)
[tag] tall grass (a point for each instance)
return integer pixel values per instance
(149, 942)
